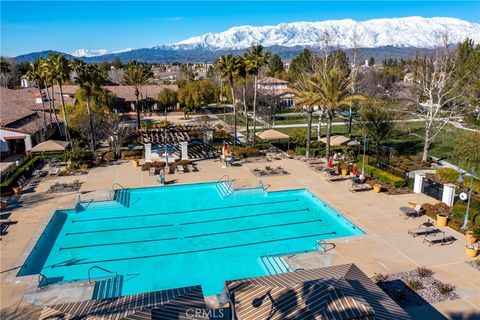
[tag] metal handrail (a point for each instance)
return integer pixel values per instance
(322, 244)
(100, 268)
(118, 184)
(41, 276)
(224, 176)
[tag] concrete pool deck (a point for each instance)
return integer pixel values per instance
(386, 248)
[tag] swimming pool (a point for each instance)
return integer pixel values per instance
(159, 238)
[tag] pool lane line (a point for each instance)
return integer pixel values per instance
(186, 211)
(242, 217)
(120, 229)
(253, 228)
(201, 250)
(116, 243)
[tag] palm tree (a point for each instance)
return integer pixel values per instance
(89, 79)
(48, 78)
(76, 65)
(330, 89)
(137, 76)
(61, 73)
(255, 59)
(306, 100)
(243, 76)
(34, 74)
(228, 66)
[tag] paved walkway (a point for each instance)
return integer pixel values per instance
(385, 248)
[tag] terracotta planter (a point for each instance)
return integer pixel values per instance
(377, 188)
(17, 190)
(336, 170)
(470, 237)
(471, 251)
(135, 163)
(344, 172)
(442, 220)
(412, 205)
(351, 174)
(3, 205)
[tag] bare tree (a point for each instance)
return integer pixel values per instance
(115, 75)
(440, 92)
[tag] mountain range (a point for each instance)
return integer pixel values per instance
(379, 38)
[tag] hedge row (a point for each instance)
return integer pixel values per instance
(8, 182)
(460, 208)
(449, 175)
(384, 176)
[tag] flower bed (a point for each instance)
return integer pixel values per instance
(415, 288)
(474, 264)
(269, 171)
(64, 187)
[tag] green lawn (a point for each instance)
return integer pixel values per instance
(407, 139)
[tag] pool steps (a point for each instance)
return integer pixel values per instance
(275, 264)
(109, 287)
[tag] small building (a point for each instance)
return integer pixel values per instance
(22, 120)
(275, 90)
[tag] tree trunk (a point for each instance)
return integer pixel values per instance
(245, 111)
(319, 128)
(50, 108)
(426, 144)
(90, 122)
(328, 134)
(44, 137)
(255, 111)
(55, 110)
(309, 132)
(350, 121)
(234, 116)
(67, 134)
(137, 109)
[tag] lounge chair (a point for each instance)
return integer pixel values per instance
(152, 171)
(408, 212)
(426, 228)
(336, 177)
(354, 187)
(185, 168)
(194, 168)
(439, 237)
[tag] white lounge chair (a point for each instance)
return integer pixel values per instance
(426, 228)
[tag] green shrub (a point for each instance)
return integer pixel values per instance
(301, 151)
(9, 182)
(384, 176)
(109, 156)
(246, 152)
(131, 154)
(460, 208)
(447, 175)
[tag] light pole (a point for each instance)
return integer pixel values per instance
(362, 176)
(461, 180)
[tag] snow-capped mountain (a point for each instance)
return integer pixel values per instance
(86, 53)
(399, 32)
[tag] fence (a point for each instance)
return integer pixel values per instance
(432, 189)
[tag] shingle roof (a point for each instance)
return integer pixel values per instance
(159, 305)
(338, 292)
(271, 80)
(127, 93)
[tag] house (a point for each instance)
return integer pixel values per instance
(23, 118)
(274, 89)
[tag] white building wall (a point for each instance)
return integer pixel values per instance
(6, 134)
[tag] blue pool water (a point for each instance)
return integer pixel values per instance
(170, 237)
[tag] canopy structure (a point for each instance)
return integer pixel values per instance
(50, 146)
(336, 140)
(274, 135)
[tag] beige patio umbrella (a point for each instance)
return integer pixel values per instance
(50, 146)
(336, 140)
(274, 135)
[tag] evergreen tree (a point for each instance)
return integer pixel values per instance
(275, 66)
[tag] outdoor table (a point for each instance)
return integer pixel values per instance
(356, 180)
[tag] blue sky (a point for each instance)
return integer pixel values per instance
(68, 25)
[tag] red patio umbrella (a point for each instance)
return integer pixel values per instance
(330, 162)
(354, 169)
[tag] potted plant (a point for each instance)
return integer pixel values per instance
(337, 168)
(17, 190)
(377, 187)
(471, 250)
(344, 168)
(3, 205)
(473, 235)
(442, 220)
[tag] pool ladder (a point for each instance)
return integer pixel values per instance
(324, 246)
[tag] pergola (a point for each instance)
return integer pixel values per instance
(272, 135)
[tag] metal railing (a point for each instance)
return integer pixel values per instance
(99, 268)
(118, 184)
(42, 277)
(322, 245)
